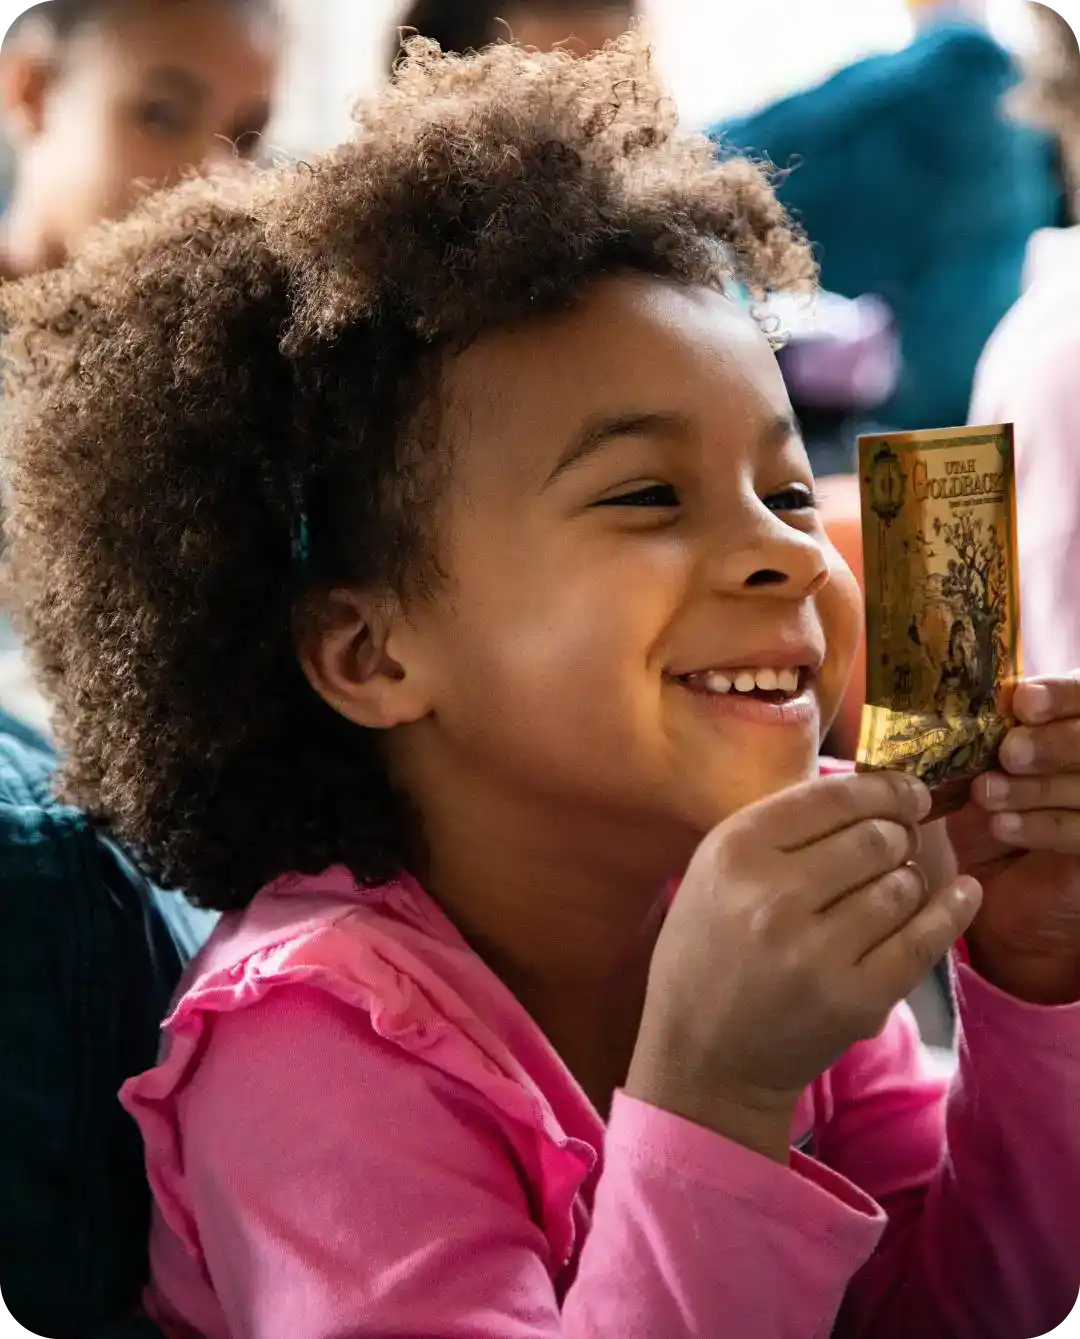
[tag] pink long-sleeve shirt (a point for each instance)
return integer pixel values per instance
(356, 1130)
(1028, 376)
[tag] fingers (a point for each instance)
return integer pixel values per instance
(858, 924)
(1056, 830)
(1039, 701)
(1035, 813)
(999, 794)
(895, 966)
(853, 858)
(1042, 749)
(806, 814)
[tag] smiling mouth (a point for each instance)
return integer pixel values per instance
(775, 686)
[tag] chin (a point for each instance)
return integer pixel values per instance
(750, 784)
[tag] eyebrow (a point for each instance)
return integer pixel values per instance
(601, 430)
(178, 81)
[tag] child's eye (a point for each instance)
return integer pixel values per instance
(162, 117)
(797, 497)
(653, 495)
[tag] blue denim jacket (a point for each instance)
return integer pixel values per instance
(90, 955)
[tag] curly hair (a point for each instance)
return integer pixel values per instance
(1049, 93)
(238, 357)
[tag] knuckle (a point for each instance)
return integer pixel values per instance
(898, 893)
(899, 788)
(844, 799)
(764, 924)
(882, 841)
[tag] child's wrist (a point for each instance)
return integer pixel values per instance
(760, 1122)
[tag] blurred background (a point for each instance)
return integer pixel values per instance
(340, 48)
(338, 52)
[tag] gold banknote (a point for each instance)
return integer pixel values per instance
(942, 604)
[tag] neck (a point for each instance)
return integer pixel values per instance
(569, 931)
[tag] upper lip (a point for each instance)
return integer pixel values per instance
(804, 655)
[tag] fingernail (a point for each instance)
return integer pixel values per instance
(1037, 698)
(968, 892)
(995, 789)
(1019, 749)
(1006, 827)
(921, 797)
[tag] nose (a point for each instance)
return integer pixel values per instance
(771, 557)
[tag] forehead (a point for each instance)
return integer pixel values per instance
(632, 344)
(219, 42)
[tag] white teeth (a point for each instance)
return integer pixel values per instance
(784, 681)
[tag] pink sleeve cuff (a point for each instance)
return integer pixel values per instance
(824, 1204)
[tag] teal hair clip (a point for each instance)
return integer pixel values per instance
(301, 542)
(301, 531)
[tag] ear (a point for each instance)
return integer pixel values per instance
(362, 658)
(27, 73)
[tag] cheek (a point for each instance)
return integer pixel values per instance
(841, 607)
(102, 186)
(570, 641)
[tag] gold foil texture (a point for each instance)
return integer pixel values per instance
(942, 604)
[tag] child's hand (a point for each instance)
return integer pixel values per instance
(1027, 937)
(798, 927)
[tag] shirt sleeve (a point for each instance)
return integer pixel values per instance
(980, 1181)
(341, 1187)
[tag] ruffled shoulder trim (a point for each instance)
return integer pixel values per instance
(354, 956)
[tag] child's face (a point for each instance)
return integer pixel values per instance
(628, 512)
(137, 98)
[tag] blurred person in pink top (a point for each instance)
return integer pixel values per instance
(451, 579)
(1028, 376)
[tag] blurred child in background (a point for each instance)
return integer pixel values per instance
(101, 100)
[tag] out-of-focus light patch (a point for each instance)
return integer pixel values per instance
(1011, 23)
(727, 57)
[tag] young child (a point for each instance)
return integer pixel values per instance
(426, 570)
(101, 99)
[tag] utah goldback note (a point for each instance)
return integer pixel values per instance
(942, 604)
